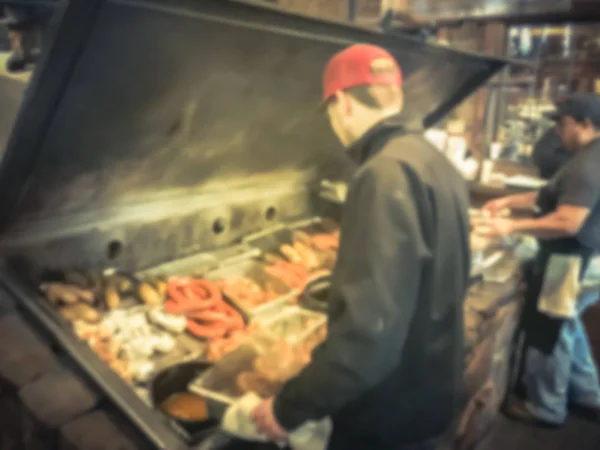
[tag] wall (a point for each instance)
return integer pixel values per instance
(338, 9)
(488, 38)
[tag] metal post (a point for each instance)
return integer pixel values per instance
(572, 55)
(352, 10)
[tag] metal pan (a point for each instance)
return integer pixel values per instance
(316, 294)
(254, 271)
(219, 382)
(174, 380)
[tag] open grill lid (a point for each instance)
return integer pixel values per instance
(143, 99)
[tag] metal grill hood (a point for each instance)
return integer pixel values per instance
(139, 101)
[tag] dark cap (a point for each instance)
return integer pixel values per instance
(580, 107)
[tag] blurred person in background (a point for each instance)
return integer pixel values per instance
(26, 24)
(549, 155)
(559, 368)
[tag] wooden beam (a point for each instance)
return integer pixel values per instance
(585, 11)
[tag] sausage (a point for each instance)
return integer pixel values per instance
(87, 313)
(80, 311)
(161, 287)
(84, 295)
(245, 291)
(216, 319)
(325, 241)
(310, 259)
(301, 236)
(111, 298)
(176, 296)
(149, 295)
(292, 274)
(288, 278)
(291, 254)
(206, 331)
(69, 313)
(60, 293)
(208, 315)
(121, 283)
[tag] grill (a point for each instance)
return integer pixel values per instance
(159, 137)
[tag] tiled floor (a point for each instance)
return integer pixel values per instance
(575, 435)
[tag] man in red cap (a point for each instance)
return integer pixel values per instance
(390, 374)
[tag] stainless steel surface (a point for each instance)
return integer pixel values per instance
(156, 137)
(202, 263)
(219, 382)
(270, 241)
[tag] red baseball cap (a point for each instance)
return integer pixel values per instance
(360, 65)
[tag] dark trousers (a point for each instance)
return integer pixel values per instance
(541, 331)
(537, 330)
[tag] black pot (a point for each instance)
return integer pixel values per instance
(316, 294)
(176, 379)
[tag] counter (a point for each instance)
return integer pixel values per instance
(492, 312)
(45, 400)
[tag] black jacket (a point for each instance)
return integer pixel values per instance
(391, 371)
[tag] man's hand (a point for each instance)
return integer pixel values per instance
(494, 227)
(518, 201)
(493, 207)
(266, 422)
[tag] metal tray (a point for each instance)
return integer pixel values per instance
(219, 383)
(503, 270)
(293, 325)
(316, 225)
(201, 263)
(255, 271)
(271, 240)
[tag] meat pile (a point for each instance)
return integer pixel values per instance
(200, 301)
(217, 348)
(323, 245)
(270, 371)
(282, 362)
(82, 296)
(300, 254)
(107, 348)
(319, 241)
(294, 275)
(246, 292)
